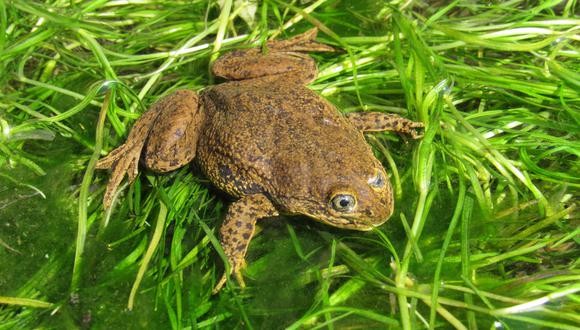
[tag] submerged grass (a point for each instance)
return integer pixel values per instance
(485, 231)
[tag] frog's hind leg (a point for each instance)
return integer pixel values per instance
(283, 58)
(305, 42)
(165, 137)
(378, 122)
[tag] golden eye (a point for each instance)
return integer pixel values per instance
(378, 181)
(344, 203)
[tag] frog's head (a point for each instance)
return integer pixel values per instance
(361, 202)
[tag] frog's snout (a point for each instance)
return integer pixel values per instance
(383, 208)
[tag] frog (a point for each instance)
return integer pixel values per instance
(268, 141)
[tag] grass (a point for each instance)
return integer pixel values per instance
(485, 231)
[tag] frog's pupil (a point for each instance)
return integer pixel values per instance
(343, 203)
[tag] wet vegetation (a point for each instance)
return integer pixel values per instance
(485, 231)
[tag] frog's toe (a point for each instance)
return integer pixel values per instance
(123, 160)
(237, 271)
(416, 135)
(220, 284)
(111, 158)
(308, 35)
(416, 130)
(240, 278)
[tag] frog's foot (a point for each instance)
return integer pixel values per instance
(238, 229)
(378, 122)
(166, 136)
(235, 268)
(285, 59)
(302, 43)
(124, 159)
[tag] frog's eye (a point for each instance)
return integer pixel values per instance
(378, 181)
(343, 203)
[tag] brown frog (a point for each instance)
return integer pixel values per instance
(270, 142)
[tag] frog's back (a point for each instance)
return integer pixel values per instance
(274, 137)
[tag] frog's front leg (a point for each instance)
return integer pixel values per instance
(378, 122)
(237, 231)
(165, 137)
(287, 58)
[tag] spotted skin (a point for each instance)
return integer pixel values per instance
(175, 121)
(378, 122)
(176, 130)
(267, 140)
(238, 229)
(284, 57)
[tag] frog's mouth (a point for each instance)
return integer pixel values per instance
(352, 223)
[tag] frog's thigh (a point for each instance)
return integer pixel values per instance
(173, 137)
(378, 121)
(238, 229)
(124, 159)
(296, 66)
